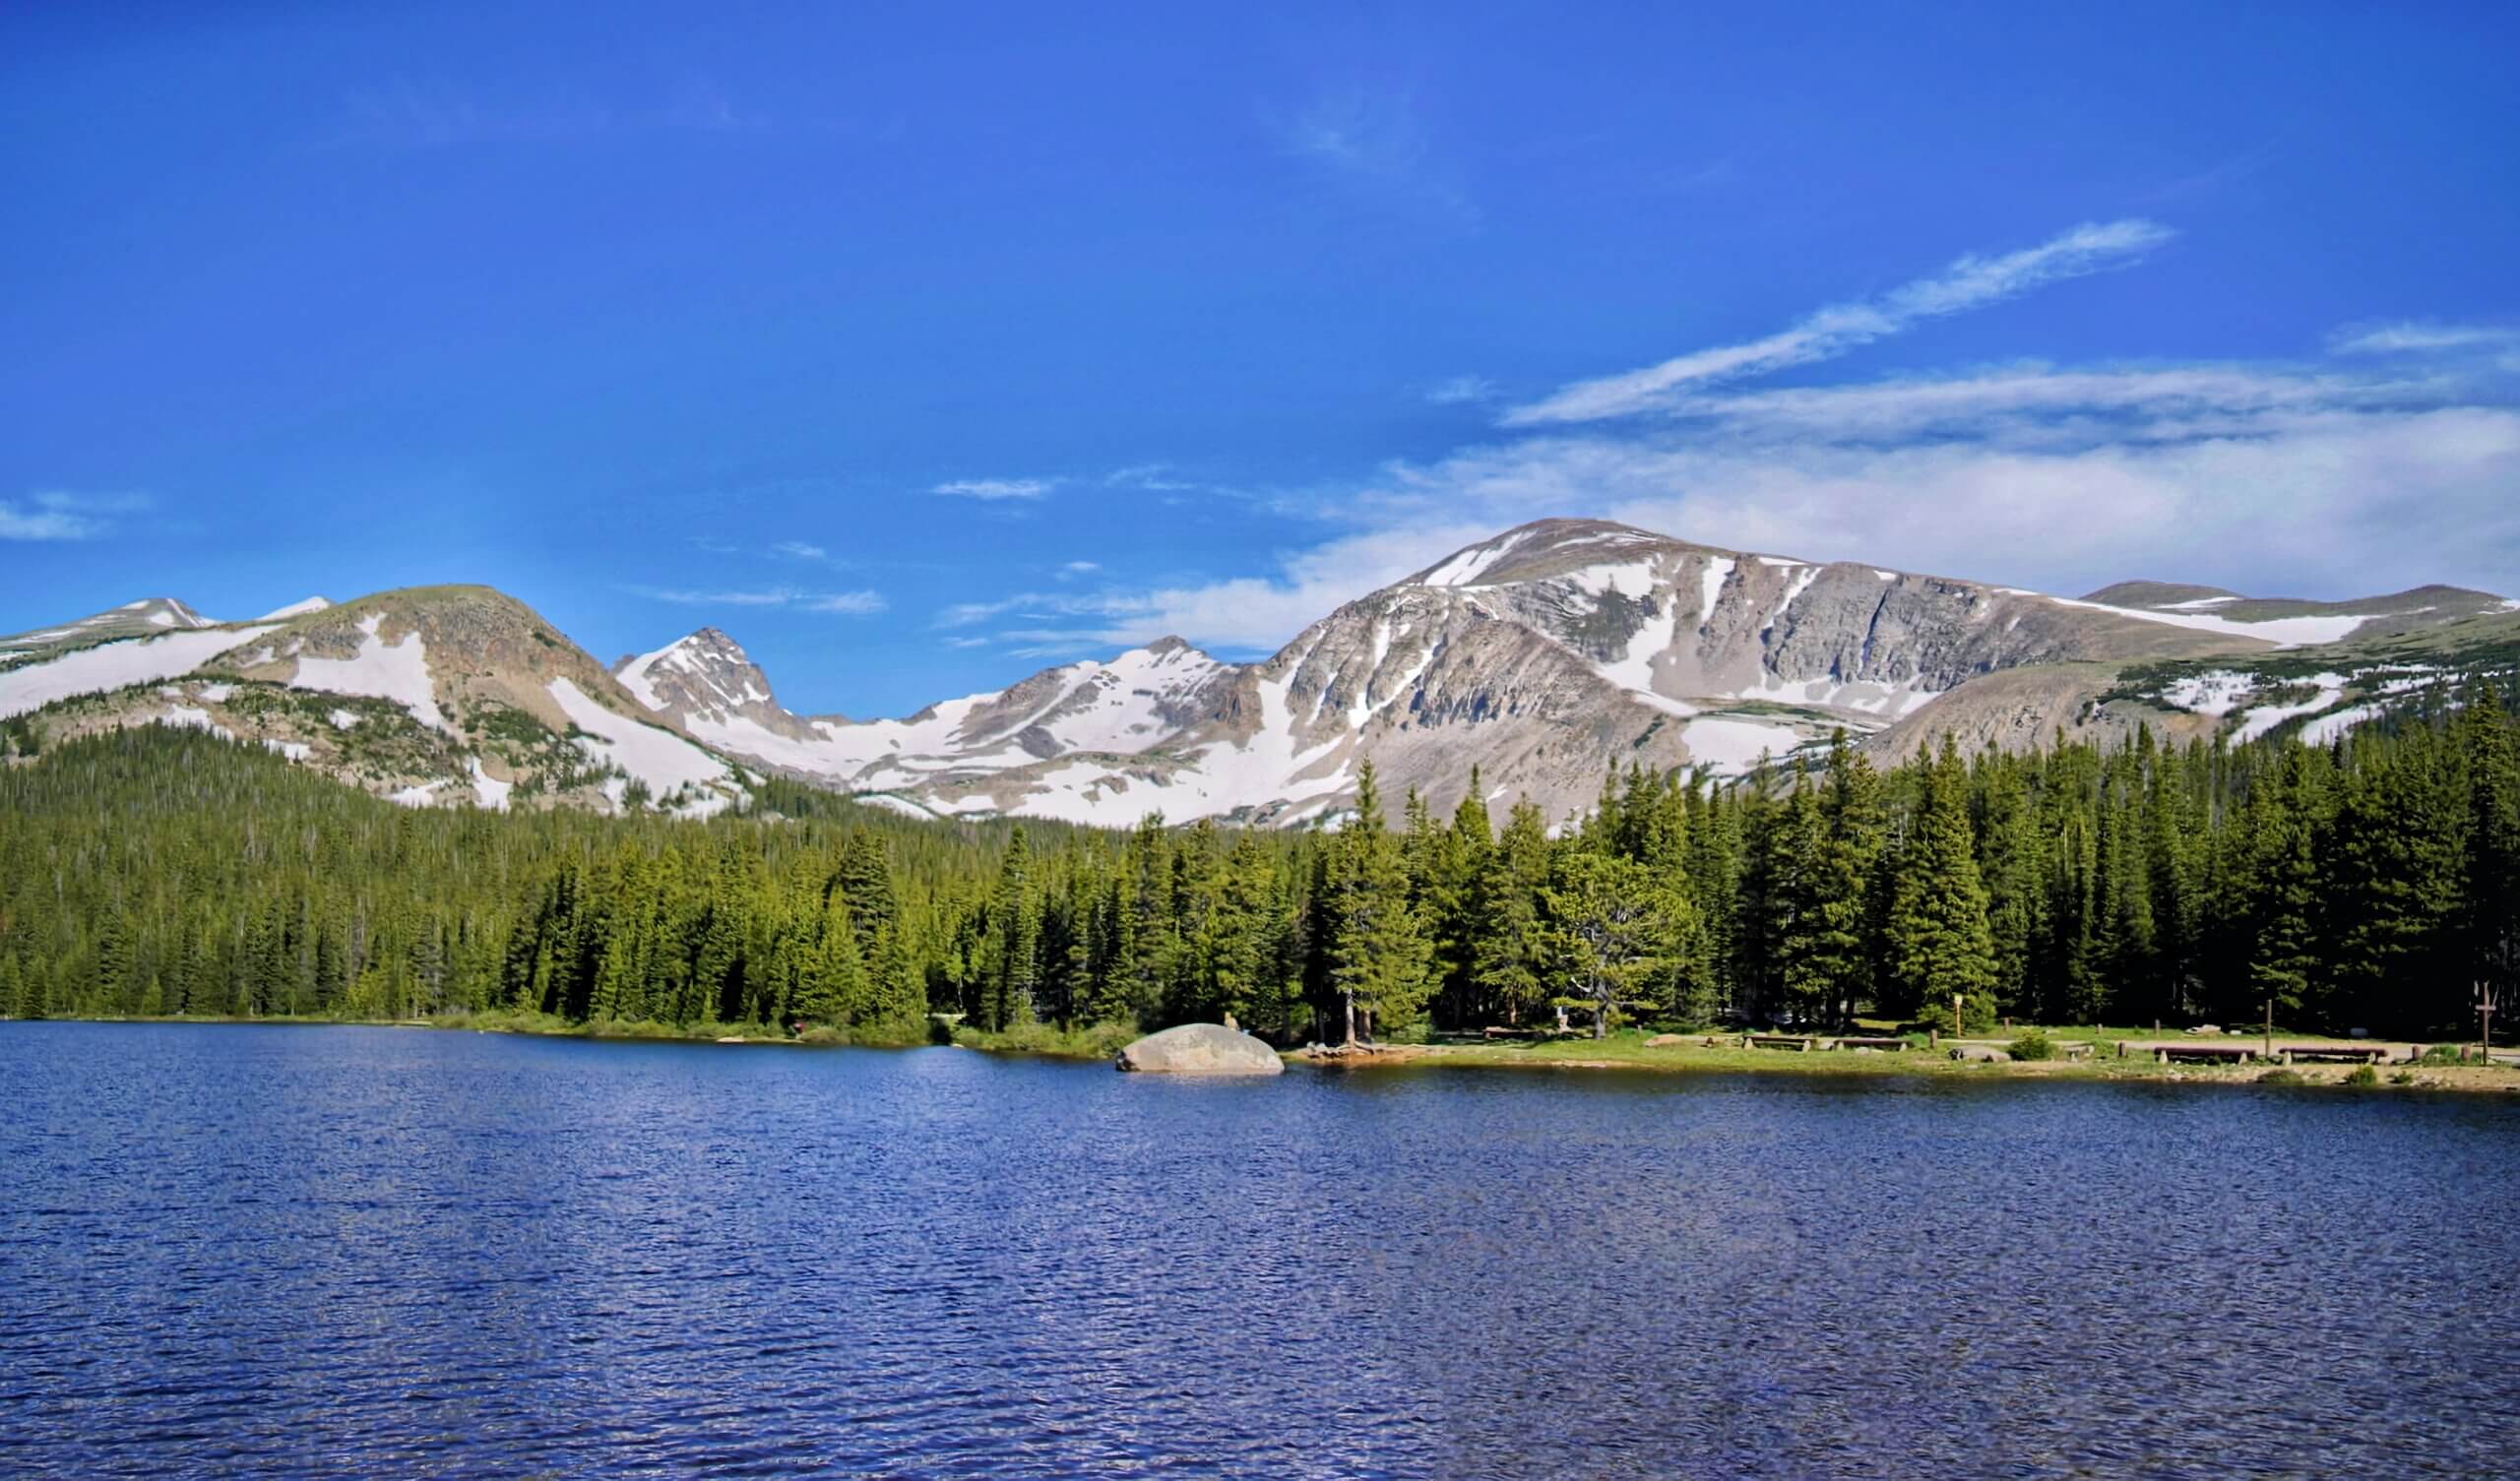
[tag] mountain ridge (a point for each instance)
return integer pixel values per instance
(1541, 654)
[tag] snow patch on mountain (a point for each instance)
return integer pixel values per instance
(1733, 746)
(2327, 727)
(2214, 693)
(2262, 718)
(1633, 669)
(1270, 766)
(487, 790)
(1465, 567)
(1719, 570)
(1630, 579)
(298, 608)
(662, 760)
(111, 666)
(382, 670)
(2283, 632)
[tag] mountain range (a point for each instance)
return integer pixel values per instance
(1542, 656)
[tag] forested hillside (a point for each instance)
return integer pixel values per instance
(2369, 884)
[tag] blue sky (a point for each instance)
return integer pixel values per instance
(917, 349)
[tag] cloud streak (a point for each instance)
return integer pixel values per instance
(2287, 481)
(1970, 283)
(56, 515)
(2422, 338)
(995, 490)
(838, 603)
(1460, 389)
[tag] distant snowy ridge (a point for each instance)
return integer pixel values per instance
(1543, 656)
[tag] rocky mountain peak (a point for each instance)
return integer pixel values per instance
(1541, 548)
(147, 617)
(705, 676)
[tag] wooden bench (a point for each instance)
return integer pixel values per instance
(1779, 1041)
(1889, 1042)
(2361, 1054)
(2164, 1051)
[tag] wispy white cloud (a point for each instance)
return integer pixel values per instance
(1462, 389)
(1038, 604)
(1971, 281)
(2036, 404)
(811, 554)
(55, 515)
(2271, 478)
(1074, 568)
(1375, 140)
(966, 641)
(996, 490)
(2421, 338)
(846, 603)
(1153, 477)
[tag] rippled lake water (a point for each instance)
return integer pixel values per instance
(233, 1249)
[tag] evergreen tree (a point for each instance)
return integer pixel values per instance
(1379, 954)
(1511, 957)
(2491, 889)
(1017, 914)
(1940, 944)
(1615, 926)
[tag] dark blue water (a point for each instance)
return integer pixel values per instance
(245, 1250)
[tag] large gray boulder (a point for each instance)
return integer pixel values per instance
(1201, 1049)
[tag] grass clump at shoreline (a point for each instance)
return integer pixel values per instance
(1725, 1053)
(901, 1035)
(1101, 1041)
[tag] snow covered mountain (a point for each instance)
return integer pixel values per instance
(134, 619)
(1543, 656)
(707, 686)
(427, 695)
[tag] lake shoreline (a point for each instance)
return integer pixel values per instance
(1921, 1063)
(1626, 1052)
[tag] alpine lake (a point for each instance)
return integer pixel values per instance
(292, 1251)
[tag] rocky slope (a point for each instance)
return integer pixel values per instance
(147, 617)
(429, 696)
(707, 686)
(1542, 656)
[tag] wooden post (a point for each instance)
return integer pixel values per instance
(2484, 1021)
(1959, 1025)
(2270, 1028)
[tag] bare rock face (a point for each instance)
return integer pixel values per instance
(145, 618)
(707, 676)
(1543, 657)
(1201, 1049)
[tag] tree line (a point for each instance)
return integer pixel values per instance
(2370, 883)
